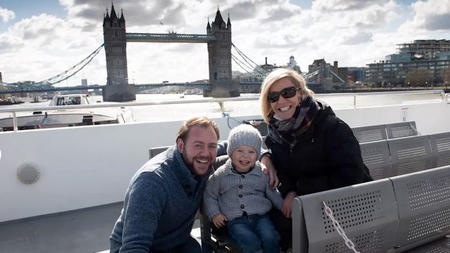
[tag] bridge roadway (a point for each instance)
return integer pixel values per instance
(170, 37)
(97, 87)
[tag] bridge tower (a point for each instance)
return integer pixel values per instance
(117, 88)
(219, 56)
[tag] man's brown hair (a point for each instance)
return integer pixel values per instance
(197, 121)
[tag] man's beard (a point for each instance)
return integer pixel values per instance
(190, 164)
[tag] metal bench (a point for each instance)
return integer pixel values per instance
(423, 201)
(406, 155)
(365, 212)
(385, 131)
(370, 133)
(440, 147)
(403, 129)
(410, 154)
(377, 158)
(156, 150)
(388, 215)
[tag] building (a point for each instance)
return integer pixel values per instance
(258, 74)
(260, 71)
(323, 76)
(84, 82)
(422, 62)
(292, 64)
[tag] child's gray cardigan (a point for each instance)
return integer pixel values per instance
(231, 194)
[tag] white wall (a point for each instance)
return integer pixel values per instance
(89, 166)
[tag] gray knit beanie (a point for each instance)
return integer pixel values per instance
(244, 135)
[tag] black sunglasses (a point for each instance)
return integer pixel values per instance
(286, 93)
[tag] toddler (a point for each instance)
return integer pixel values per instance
(238, 195)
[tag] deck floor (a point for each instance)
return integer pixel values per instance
(81, 231)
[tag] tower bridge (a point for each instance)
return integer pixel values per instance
(117, 88)
(217, 37)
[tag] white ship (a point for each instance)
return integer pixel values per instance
(68, 114)
(61, 188)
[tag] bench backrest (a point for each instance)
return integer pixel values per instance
(403, 129)
(423, 201)
(377, 158)
(410, 154)
(365, 212)
(387, 158)
(157, 150)
(385, 131)
(370, 133)
(397, 214)
(440, 146)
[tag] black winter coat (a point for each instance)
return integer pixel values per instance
(326, 156)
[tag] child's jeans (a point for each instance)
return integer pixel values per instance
(253, 233)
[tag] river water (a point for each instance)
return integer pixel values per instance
(181, 111)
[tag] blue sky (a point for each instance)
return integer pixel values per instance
(27, 8)
(42, 38)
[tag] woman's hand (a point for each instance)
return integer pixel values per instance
(268, 169)
(219, 220)
(286, 207)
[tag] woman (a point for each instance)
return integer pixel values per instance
(311, 149)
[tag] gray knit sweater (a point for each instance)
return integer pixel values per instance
(231, 194)
(160, 206)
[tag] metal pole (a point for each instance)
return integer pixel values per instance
(15, 128)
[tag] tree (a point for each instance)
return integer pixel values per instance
(419, 77)
(446, 76)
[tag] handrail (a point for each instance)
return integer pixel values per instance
(204, 100)
(409, 92)
(112, 104)
(13, 110)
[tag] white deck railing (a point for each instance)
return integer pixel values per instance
(14, 110)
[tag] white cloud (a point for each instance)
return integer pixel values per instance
(357, 38)
(344, 5)
(353, 32)
(43, 46)
(6, 15)
(432, 14)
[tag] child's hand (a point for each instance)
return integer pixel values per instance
(219, 220)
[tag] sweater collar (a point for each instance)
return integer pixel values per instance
(230, 170)
(184, 174)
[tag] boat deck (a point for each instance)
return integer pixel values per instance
(85, 230)
(45, 216)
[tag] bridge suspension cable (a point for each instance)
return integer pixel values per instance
(241, 64)
(72, 70)
(242, 54)
(248, 62)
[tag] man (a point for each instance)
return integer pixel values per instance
(165, 194)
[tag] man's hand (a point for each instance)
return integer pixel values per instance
(268, 169)
(286, 207)
(219, 220)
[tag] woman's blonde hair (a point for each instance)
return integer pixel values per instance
(297, 79)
